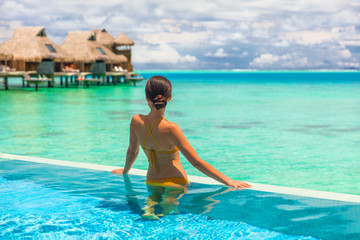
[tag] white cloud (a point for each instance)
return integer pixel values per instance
(236, 14)
(349, 65)
(178, 26)
(351, 42)
(310, 37)
(188, 59)
(263, 24)
(346, 17)
(184, 38)
(349, 36)
(264, 60)
(268, 60)
(162, 53)
(220, 53)
(345, 53)
(243, 54)
(96, 21)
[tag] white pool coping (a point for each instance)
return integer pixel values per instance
(204, 180)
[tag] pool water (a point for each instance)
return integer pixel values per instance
(42, 201)
(297, 129)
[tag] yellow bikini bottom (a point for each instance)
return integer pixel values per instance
(167, 181)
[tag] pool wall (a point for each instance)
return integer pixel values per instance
(204, 180)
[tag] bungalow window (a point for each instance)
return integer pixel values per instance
(92, 37)
(101, 51)
(42, 33)
(50, 48)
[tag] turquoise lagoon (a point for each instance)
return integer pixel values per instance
(297, 129)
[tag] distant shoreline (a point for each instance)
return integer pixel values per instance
(249, 71)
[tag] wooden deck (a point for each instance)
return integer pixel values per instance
(79, 78)
(67, 77)
(6, 75)
(87, 81)
(37, 81)
(133, 78)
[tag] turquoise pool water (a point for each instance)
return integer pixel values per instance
(297, 129)
(43, 201)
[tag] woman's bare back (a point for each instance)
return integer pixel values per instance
(158, 139)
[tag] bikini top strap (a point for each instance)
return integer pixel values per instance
(150, 130)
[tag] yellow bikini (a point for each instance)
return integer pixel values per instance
(151, 159)
(168, 182)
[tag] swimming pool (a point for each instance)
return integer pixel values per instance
(51, 199)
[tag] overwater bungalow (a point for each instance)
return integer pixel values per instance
(89, 54)
(107, 40)
(104, 38)
(122, 46)
(32, 50)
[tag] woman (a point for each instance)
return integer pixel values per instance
(161, 141)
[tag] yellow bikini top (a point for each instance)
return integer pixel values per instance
(152, 151)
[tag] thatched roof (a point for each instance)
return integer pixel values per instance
(5, 55)
(103, 37)
(122, 39)
(85, 48)
(31, 44)
(120, 58)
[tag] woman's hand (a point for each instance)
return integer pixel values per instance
(238, 184)
(118, 171)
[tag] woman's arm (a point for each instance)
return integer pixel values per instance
(133, 150)
(182, 143)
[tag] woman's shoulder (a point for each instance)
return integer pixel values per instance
(171, 126)
(137, 119)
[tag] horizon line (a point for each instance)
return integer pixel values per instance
(257, 70)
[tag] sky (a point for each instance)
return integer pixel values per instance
(199, 34)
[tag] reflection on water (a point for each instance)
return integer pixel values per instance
(322, 129)
(120, 118)
(163, 201)
(315, 126)
(243, 125)
(129, 101)
(175, 113)
(127, 113)
(46, 134)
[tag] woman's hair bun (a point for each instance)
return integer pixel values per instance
(160, 101)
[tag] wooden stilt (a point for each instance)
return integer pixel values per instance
(6, 83)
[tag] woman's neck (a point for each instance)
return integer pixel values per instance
(156, 114)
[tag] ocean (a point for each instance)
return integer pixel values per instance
(288, 128)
